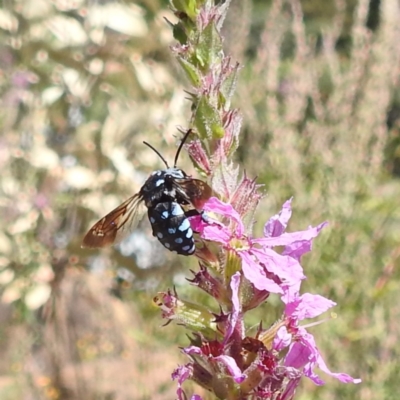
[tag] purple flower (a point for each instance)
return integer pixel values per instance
(273, 362)
(303, 353)
(182, 373)
(265, 268)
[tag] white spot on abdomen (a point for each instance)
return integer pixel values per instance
(184, 225)
(164, 214)
(176, 209)
(189, 233)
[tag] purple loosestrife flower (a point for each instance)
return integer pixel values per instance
(239, 271)
(303, 353)
(269, 365)
(264, 268)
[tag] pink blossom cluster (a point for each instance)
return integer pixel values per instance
(270, 364)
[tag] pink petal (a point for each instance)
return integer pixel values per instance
(342, 377)
(282, 339)
(287, 239)
(255, 273)
(302, 356)
(286, 268)
(226, 210)
(297, 249)
(235, 371)
(306, 306)
(193, 350)
(291, 293)
(181, 374)
(234, 315)
(298, 356)
(216, 233)
(278, 223)
(312, 305)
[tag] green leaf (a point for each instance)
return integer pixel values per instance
(191, 71)
(228, 86)
(208, 121)
(209, 47)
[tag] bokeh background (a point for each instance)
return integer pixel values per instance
(84, 82)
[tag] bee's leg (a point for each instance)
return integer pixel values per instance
(193, 212)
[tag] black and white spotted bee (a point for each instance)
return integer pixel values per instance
(171, 196)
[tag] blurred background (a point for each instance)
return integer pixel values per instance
(84, 82)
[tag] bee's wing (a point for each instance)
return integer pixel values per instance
(116, 225)
(197, 191)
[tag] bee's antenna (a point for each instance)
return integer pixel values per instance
(158, 153)
(189, 131)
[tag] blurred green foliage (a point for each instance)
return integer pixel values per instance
(83, 83)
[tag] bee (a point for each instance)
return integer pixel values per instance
(170, 196)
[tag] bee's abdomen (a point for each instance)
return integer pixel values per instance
(172, 228)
